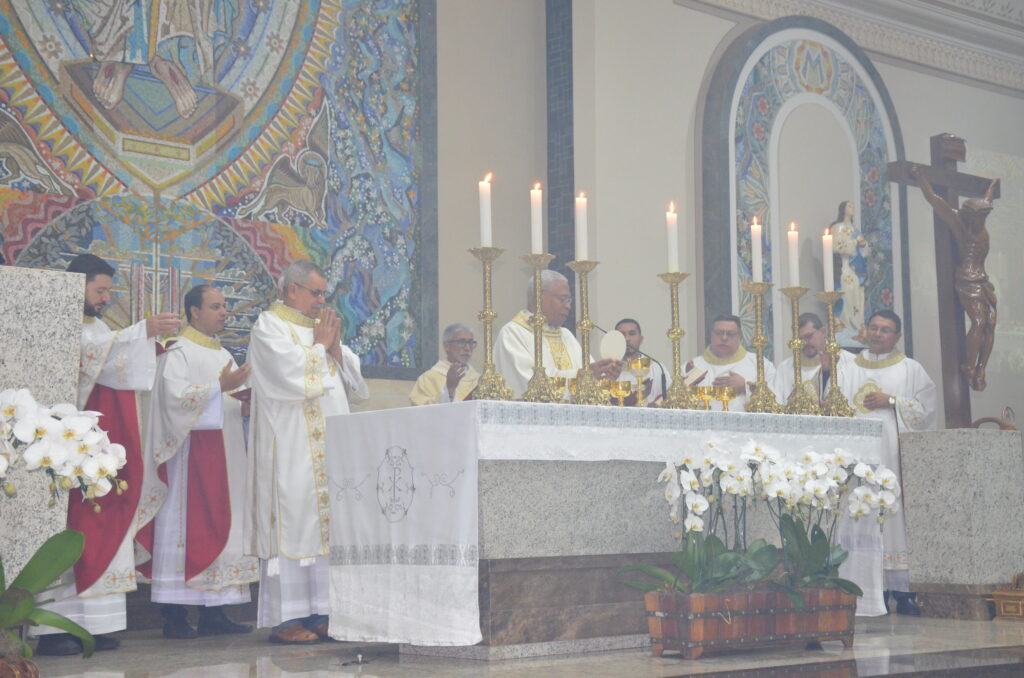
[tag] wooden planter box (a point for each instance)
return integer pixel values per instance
(692, 624)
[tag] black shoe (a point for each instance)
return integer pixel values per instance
(104, 643)
(65, 644)
(213, 622)
(59, 645)
(176, 624)
(906, 603)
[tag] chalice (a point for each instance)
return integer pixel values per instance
(724, 394)
(605, 385)
(640, 367)
(621, 390)
(707, 394)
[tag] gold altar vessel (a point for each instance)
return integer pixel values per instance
(491, 385)
(799, 400)
(679, 396)
(835, 403)
(762, 399)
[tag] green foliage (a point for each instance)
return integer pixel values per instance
(705, 565)
(18, 606)
(810, 561)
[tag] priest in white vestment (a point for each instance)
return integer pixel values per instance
(452, 378)
(301, 374)
(727, 363)
(657, 380)
(862, 538)
(896, 390)
(195, 431)
(562, 355)
(114, 366)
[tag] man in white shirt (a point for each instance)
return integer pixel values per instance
(727, 363)
(195, 430)
(301, 374)
(450, 379)
(896, 390)
(815, 368)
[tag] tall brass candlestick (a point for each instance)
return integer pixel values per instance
(679, 396)
(588, 391)
(762, 399)
(491, 385)
(835, 403)
(541, 389)
(799, 401)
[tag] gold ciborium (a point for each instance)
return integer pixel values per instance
(640, 367)
(706, 394)
(621, 390)
(724, 394)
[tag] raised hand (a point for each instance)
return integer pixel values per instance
(231, 379)
(161, 324)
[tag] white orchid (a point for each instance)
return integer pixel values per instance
(693, 524)
(44, 453)
(696, 503)
(16, 404)
(887, 500)
(668, 473)
(858, 509)
(3, 464)
(35, 425)
(865, 494)
(689, 480)
(887, 479)
(809, 456)
(672, 492)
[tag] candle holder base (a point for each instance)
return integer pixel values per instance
(491, 385)
(681, 397)
(541, 389)
(762, 399)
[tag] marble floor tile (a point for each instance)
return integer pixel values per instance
(883, 646)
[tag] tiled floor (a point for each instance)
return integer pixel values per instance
(902, 646)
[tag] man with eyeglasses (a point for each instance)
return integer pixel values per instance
(815, 370)
(562, 354)
(301, 374)
(727, 363)
(896, 390)
(452, 378)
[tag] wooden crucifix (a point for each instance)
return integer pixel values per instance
(943, 187)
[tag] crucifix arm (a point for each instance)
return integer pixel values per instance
(942, 208)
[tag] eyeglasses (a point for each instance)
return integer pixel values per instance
(881, 330)
(318, 294)
(561, 298)
(463, 343)
(725, 334)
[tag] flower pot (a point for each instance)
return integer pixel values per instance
(695, 623)
(18, 668)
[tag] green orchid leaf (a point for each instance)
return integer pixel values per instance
(816, 558)
(47, 618)
(713, 547)
(846, 585)
(659, 573)
(837, 556)
(15, 604)
(53, 558)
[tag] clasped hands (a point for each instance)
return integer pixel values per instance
(876, 400)
(735, 381)
(327, 332)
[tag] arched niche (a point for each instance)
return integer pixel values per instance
(767, 73)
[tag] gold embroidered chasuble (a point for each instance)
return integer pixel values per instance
(187, 397)
(431, 387)
(741, 362)
(295, 386)
(513, 352)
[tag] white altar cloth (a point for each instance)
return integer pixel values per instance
(404, 525)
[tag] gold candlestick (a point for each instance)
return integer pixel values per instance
(799, 401)
(542, 388)
(679, 396)
(762, 399)
(835, 403)
(588, 391)
(491, 385)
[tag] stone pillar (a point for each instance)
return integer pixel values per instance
(965, 517)
(40, 338)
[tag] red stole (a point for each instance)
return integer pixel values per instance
(208, 512)
(104, 531)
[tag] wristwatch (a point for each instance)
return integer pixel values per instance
(892, 401)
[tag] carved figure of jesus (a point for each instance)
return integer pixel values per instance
(977, 295)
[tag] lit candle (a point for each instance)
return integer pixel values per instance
(755, 251)
(581, 227)
(485, 211)
(794, 255)
(826, 259)
(536, 221)
(672, 224)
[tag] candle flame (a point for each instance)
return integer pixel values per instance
(582, 195)
(488, 177)
(792, 226)
(672, 206)
(536, 186)
(828, 231)
(754, 222)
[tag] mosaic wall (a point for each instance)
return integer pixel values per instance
(803, 66)
(217, 141)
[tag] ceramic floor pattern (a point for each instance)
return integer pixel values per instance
(902, 646)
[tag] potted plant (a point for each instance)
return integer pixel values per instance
(19, 607)
(719, 596)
